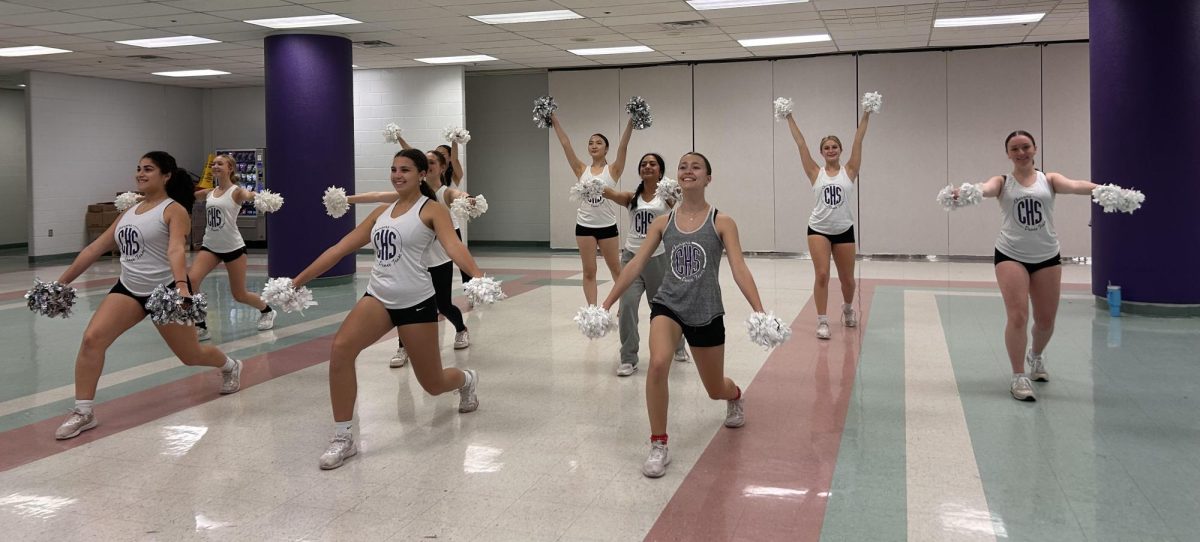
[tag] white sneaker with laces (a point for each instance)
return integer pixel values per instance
(681, 356)
(656, 464)
(399, 359)
(462, 339)
(849, 317)
(266, 320)
(341, 447)
(467, 401)
(734, 415)
(626, 369)
(823, 330)
(232, 381)
(1037, 367)
(75, 424)
(1021, 388)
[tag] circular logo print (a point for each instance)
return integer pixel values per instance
(688, 260)
(130, 242)
(386, 241)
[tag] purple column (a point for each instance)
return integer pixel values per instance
(1145, 90)
(310, 146)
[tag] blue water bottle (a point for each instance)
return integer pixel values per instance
(1114, 300)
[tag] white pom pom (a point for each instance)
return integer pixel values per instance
(479, 206)
(280, 293)
(335, 201)
(873, 102)
(669, 189)
(594, 322)
(946, 198)
(167, 306)
(456, 134)
(968, 194)
(1114, 198)
(484, 290)
(50, 298)
(267, 201)
(391, 133)
(766, 330)
(639, 113)
(543, 107)
(783, 108)
(127, 200)
(465, 209)
(586, 190)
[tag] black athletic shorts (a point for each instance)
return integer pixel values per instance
(710, 334)
(424, 312)
(607, 232)
(838, 238)
(226, 256)
(1031, 268)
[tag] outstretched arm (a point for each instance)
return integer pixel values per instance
(728, 231)
(811, 168)
(634, 268)
(618, 165)
(387, 196)
(622, 198)
(1063, 185)
(357, 238)
(576, 165)
(88, 256)
(459, 170)
(856, 149)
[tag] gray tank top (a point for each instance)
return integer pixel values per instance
(691, 288)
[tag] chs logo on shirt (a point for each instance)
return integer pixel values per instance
(215, 219)
(832, 196)
(595, 200)
(129, 242)
(386, 241)
(687, 261)
(642, 218)
(1029, 213)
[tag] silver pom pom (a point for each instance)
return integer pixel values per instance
(464, 209)
(167, 306)
(51, 299)
(1114, 198)
(267, 201)
(873, 102)
(968, 194)
(766, 330)
(483, 290)
(279, 292)
(127, 200)
(391, 133)
(542, 108)
(594, 322)
(669, 188)
(639, 112)
(335, 201)
(783, 108)
(456, 134)
(587, 190)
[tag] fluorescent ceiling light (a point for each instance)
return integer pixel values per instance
(455, 59)
(303, 22)
(612, 50)
(528, 17)
(1021, 18)
(784, 40)
(31, 50)
(175, 41)
(726, 4)
(191, 73)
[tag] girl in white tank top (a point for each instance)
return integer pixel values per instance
(223, 241)
(831, 224)
(1027, 261)
(151, 237)
(400, 294)
(596, 218)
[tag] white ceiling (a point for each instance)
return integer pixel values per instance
(425, 28)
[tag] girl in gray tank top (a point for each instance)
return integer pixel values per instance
(688, 303)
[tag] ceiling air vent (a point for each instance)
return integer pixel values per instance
(372, 44)
(685, 25)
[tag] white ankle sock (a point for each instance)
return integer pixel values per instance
(343, 428)
(84, 405)
(467, 378)
(229, 364)
(822, 319)
(846, 307)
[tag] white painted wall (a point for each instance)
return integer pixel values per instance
(86, 137)
(235, 118)
(14, 183)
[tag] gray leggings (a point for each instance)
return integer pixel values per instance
(648, 283)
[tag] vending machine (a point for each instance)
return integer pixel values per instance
(251, 175)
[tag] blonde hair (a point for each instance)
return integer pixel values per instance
(233, 170)
(830, 138)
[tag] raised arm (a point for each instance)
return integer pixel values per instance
(438, 218)
(811, 168)
(634, 268)
(387, 196)
(88, 256)
(618, 165)
(622, 198)
(728, 231)
(356, 239)
(459, 171)
(1063, 185)
(576, 165)
(856, 149)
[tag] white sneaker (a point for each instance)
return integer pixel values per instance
(266, 320)
(232, 381)
(462, 339)
(341, 447)
(823, 330)
(1021, 388)
(467, 401)
(734, 415)
(75, 424)
(656, 465)
(682, 356)
(626, 369)
(849, 317)
(1037, 367)
(202, 334)
(399, 359)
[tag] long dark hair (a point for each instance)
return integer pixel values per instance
(422, 162)
(448, 172)
(179, 185)
(641, 187)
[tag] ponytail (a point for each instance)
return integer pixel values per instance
(637, 193)
(179, 185)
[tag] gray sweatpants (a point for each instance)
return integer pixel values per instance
(648, 283)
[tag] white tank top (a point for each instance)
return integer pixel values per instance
(399, 279)
(142, 240)
(640, 218)
(436, 255)
(597, 212)
(220, 222)
(832, 213)
(1027, 233)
